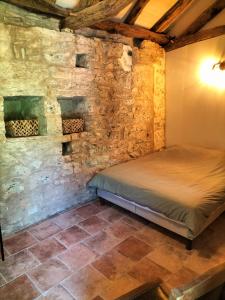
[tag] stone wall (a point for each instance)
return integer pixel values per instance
(123, 93)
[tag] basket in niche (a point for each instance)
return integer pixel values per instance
(72, 125)
(20, 128)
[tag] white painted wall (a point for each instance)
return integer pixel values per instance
(195, 111)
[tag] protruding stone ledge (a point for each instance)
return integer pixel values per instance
(47, 138)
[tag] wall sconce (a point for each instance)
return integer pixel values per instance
(220, 65)
(212, 73)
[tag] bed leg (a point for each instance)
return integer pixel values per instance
(102, 201)
(189, 245)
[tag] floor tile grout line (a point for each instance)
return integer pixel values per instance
(67, 291)
(34, 283)
(11, 254)
(24, 249)
(70, 268)
(55, 286)
(4, 279)
(34, 257)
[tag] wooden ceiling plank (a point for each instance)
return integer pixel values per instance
(94, 14)
(136, 11)
(171, 15)
(39, 6)
(133, 31)
(196, 37)
(205, 17)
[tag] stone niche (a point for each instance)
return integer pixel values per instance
(82, 61)
(25, 108)
(72, 107)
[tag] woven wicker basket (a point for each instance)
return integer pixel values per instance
(21, 128)
(72, 125)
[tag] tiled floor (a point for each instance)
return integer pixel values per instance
(100, 252)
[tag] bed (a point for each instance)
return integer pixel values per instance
(181, 188)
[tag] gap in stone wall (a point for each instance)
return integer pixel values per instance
(67, 148)
(82, 61)
(24, 108)
(73, 109)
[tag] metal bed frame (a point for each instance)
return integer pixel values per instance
(158, 218)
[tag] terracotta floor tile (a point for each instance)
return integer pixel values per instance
(67, 219)
(57, 293)
(2, 280)
(49, 274)
(119, 287)
(86, 284)
(112, 265)
(147, 271)
(183, 276)
(88, 211)
(169, 257)
(100, 206)
(72, 235)
(200, 264)
(44, 230)
(17, 264)
(102, 242)
(154, 236)
(46, 249)
(19, 242)
(78, 256)
(19, 289)
(121, 230)
(212, 242)
(111, 214)
(93, 224)
(133, 248)
(135, 221)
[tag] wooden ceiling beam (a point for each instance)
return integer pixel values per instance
(85, 3)
(94, 14)
(136, 11)
(81, 4)
(171, 15)
(40, 6)
(133, 31)
(205, 17)
(196, 37)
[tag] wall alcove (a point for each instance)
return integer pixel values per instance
(72, 107)
(25, 108)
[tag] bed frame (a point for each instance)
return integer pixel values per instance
(158, 218)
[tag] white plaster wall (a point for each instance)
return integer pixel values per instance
(195, 111)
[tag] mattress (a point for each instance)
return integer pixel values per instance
(186, 184)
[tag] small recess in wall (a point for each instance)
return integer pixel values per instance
(73, 112)
(130, 53)
(67, 148)
(24, 116)
(82, 61)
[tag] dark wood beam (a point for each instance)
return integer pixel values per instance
(85, 3)
(40, 6)
(205, 17)
(171, 15)
(136, 11)
(196, 37)
(94, 14)
(133, 31)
